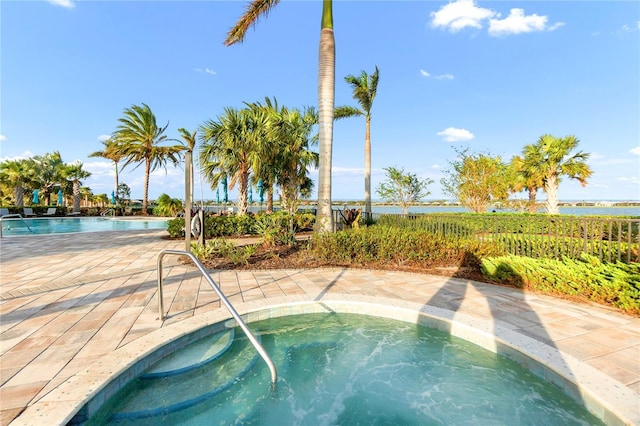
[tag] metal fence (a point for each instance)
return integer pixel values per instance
(610, 239)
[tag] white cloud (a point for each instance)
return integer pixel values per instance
(516, 23)
(206, 71)
(452, 134)
(635, 151)
(3, 138)
(460, 14)
(103, 138)
(632, 179)
(556, 26)
(63, 3)
(347, 171)
(23, 156)
(437, 77)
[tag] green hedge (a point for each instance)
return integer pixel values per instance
(399, 246)
(615, 284)
(234, 225)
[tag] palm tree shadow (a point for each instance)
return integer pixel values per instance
(509, 312)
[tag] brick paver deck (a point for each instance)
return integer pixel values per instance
(69, 300)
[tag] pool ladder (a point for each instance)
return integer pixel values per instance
(14, 215)
(256, 344)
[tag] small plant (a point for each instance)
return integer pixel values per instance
(240, 255)
(213, 248)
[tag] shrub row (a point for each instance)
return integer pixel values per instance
(399, 246)
(616, 284)
(557, 248)
(272, 226)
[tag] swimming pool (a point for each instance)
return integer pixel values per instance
(64, 225)
(339, 369)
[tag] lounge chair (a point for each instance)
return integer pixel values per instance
(28, 211)
(51, 211)
(4, 212)
(73, 214)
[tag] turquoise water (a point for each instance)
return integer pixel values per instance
(346, 369)
(65, 225)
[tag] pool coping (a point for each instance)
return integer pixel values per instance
(603, 396)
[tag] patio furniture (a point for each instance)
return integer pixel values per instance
(51, 211)
(27, 212)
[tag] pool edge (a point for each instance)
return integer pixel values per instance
(606, 398)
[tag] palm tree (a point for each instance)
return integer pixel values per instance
(326, 95)
(552, 157)
(293, 130)
(264, 165)
(74, 173)
(228, 147)
(111, 152)
(48, 170)
(87, 195)
(527, 177)
(14, 175)
(138, 139)
(364, 91)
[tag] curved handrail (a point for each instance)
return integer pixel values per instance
(225, 301)
(17, 216)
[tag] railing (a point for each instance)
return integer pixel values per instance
(610, 239)
(14, 215)
(225, 301)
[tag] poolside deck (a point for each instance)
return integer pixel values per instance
(69, 300)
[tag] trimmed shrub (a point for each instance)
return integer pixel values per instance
(399, 246)
(615, 284)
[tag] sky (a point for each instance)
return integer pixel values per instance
(488, 76)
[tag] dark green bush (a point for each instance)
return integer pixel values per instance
(175, 227)
(615, 284)
(399, 246)
(233, 225)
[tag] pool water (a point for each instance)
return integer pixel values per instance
(65, 225)
(347, 369)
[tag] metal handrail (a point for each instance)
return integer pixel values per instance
(16, 215)
(223, 298)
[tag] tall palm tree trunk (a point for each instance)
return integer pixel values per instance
(76, 196)
(367, 168)
(326, 101)
(269, 199)
(116, 183)
(19, 194)
(242, 193)
(551, 189)
(532, 200)
(147, 175)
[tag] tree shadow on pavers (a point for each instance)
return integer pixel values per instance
(510, 314)
(32, 305)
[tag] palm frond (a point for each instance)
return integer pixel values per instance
(346, 111)
(255, 10)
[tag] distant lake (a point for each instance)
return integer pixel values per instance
(577, 211)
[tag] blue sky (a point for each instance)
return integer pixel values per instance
(492, 76)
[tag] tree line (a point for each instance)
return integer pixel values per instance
(480, 180)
